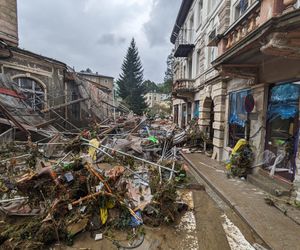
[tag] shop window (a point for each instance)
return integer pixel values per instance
(33, 91)
(282, 124)
(237, 117)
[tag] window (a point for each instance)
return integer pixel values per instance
(212, 54)
(200, 7)
(190, 68)
(75, 108)
(197, 109)
(33, 91)
(198, 62)
(189, 112)
(283, 125)
(237, 116)
(191, 30)
(176, 113)
(240, 8)
(211, 5)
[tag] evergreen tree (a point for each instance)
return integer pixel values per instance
(130, 82)
(166, 87)
(170, 65)
(150, 86)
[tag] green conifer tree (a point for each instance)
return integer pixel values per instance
(130, 81)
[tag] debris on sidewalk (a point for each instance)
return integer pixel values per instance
(241, 158)
(113, 176)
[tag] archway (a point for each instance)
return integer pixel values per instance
(33, 91)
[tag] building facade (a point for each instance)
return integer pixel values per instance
(101, 91)
(49, 86)
(198, 90)
(243, 82)
(154, 98)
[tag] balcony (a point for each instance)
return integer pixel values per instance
(242, 27)
(256, 15)
(268, 30)
(183, 43)
(184, 89)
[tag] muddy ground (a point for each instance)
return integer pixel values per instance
(209, 225)
(200, 228)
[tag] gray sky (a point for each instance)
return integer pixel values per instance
(97, 33)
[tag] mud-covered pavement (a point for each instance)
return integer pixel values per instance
(211, 224)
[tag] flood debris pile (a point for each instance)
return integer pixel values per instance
(241, 159)
(113, 176)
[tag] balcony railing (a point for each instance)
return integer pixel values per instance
(182, 86)
(243, 26)
(184, 43)
(257, 14)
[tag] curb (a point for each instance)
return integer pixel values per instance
(230, 203)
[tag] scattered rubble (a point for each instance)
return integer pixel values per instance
(112, 176)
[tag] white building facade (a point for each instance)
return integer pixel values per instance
(198, 90)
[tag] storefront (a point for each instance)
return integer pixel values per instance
(283, 127)
(238, 118)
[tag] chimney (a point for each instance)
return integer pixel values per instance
(9, 22)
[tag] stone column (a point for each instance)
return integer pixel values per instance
(258, 119)
(219, 92)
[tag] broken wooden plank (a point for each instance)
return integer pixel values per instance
(64, 105)
(14, 121)
(43, 124)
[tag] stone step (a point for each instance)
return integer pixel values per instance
(274, 186)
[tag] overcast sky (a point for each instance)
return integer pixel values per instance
(96, 33)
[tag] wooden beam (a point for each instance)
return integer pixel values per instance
(63, 105)
(43, 124)
(14, 121)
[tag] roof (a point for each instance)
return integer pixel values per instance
(29, 53)
(182, 14)
(94, 74)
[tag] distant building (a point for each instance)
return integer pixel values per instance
(153, 98)
(100, 88)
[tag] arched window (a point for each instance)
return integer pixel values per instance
(33, 91)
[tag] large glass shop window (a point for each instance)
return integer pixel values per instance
(237, 116)
(282, 125)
